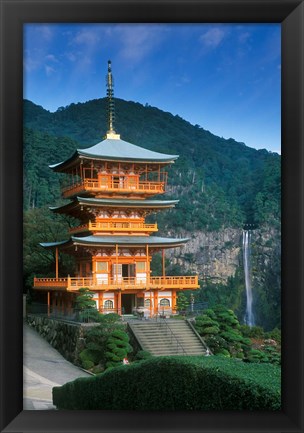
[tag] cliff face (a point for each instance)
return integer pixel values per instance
(216, 256)
(266, 276)
(219, 254)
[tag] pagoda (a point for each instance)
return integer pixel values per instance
(110, 189)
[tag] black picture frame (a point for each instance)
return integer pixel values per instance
(15, 13)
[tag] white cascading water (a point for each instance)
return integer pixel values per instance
(249, 318)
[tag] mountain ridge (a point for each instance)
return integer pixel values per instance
(221, 185)
(205, 161)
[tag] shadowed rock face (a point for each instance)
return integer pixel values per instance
(218, 255)
(211, 254)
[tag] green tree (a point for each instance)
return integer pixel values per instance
(40, 225)
(118, 348)
(221, 330)
(94, 353)
(182, 303)
(85, 306)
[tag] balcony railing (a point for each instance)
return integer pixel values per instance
(92, 185)
(116, 227)
(140, 283)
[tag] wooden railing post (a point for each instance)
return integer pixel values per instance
(48, 303)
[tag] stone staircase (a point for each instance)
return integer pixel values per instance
(167, 337)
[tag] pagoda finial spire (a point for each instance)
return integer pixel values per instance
(111, 108)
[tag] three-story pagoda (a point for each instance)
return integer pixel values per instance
(110, 192)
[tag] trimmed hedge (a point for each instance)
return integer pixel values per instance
(176, 383)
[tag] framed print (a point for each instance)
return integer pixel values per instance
(18, 15)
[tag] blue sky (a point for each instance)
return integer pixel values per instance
(224, 77)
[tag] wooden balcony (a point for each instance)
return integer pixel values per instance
(158, 283)
(116, 227)
(125, 187)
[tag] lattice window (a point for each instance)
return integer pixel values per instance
(164, 302)
(147, 302)
(141, 267)
(101, 266)
(108, 305)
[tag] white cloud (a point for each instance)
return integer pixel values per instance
(138, 41)
(72, 57)
(184, 79)
(46, 32)
(30, 64)
(212, 38)
(49, 70)
(51, 58)
(87, 37)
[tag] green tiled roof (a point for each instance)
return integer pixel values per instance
(154, 241)
(103, 202)
(117, 150)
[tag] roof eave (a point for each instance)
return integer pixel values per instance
(60, 166)
(126, 159)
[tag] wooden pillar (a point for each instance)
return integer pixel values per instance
(151, 305)
(174, 301)
(155, 301)
(56, 259)
(147, 266)
(48, 303)
(116, 252)
(119, 311)
(100, 299)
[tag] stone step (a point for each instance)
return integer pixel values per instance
(175, 352)
(156, 338)
(185, 346)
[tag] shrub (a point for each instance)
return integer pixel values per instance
(96, 340)
(223, 352)
(118, 348)
(142, 354)
(176, 383)
(273, 355)
(255, 355)
(275, 334)
(222, 332)
(182, 303)
(245, 330)
(85, 306)
(89, 358)
(256, 332)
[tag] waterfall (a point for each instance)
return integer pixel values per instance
(249, 318)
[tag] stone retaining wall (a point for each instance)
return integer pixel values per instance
(67, 338)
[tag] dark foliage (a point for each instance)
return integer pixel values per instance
(176, 383)
(219, 182)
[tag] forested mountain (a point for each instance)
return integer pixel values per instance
(219, 182)
(221, 186)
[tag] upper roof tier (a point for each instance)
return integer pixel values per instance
(115, 149)
(123, 241)
(77, 208)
